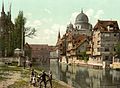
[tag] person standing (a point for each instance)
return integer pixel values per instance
(30, 64)
(43, 78)
(34, 81)
(32, 75)
(50, 78)
(24, 61)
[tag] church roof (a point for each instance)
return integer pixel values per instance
(70, 25)
(82, 17)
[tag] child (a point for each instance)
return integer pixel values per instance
(33, 81)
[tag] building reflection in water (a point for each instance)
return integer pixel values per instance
(83, 77)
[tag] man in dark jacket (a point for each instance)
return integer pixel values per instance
(50, 78)
(43, 78)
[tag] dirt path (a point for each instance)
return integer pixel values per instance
(11, 79)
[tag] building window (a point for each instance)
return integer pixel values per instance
(98, 34)
(107, 35)
(42, 48)
(114, 49)
(98, 42)
(73, 45)
(106, 57)
(115, 35)
(106, 49)
(98, 49)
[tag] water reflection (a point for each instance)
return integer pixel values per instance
(83, 77)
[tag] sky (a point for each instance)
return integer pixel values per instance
(50, 16)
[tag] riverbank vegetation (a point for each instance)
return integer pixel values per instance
(83, 56)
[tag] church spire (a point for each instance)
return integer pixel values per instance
(3, 6)
(10, 8)
(59, 34)
(2, 13)
(9, 12)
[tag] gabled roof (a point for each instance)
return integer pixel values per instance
(69, 37)
(103, 26)
(80, 40)
(52, 48)
(27, 46)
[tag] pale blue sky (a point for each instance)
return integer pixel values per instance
(48, 16)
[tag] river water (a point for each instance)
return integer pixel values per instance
(84, 77)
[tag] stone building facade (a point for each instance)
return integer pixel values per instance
(97, 43)
(6, 33)
(75, 37)
(40, 54)
(106, 35)
(76, 46)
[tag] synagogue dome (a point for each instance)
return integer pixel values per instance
(81, 18)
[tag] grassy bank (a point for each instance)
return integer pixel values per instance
(19, 84)
(23, 81)
(24, 84)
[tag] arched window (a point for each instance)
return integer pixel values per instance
(80, 26)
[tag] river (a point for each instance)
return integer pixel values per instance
(84, 77)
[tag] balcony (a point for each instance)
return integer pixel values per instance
(68, 54)
(69, 49)
(106, 52)
(96, 53)
(88, 52)
(73, 53)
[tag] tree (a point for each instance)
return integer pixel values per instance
(19, 28)
(21, 31)
(29, 32)
(84, 56)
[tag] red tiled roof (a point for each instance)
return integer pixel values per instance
(39, 50)
(102, 26)
(39, 46)
(80, 39)
(52, 48)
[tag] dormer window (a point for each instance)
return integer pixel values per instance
(110, 27)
